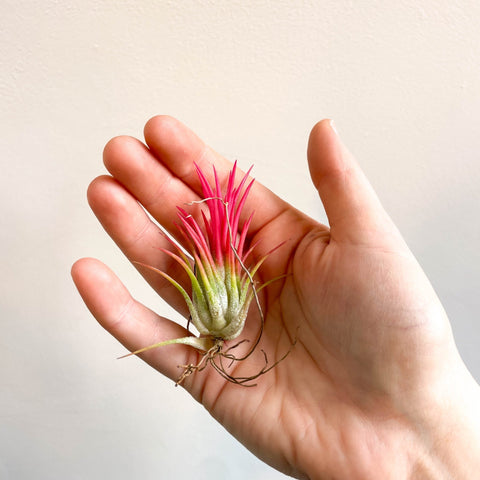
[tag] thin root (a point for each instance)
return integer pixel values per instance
(215, 357)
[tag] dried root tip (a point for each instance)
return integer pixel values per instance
(212, 352)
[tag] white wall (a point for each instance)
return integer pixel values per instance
(400, 77)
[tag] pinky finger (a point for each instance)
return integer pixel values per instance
(130, 322)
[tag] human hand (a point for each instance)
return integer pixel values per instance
(374, 386)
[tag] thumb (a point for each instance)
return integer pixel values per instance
(352, 207)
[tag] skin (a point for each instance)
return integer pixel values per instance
(374, 387)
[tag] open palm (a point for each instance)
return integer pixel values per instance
(367, 328)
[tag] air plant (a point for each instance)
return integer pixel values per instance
(222, 286)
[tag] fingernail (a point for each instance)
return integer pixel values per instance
(332, 125)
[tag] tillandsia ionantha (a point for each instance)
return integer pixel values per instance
(222, 286)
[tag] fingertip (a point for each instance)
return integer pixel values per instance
(119, 152)
(322, 131)
(83, 272)
(76, 268)
(324, 152)
(100, 196)
(321, 127)
(174, 144)
(101, 290)
(86, 269)
(160, 128)
(96, 187)
(113, 146)
(106, 197)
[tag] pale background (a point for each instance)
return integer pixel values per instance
(402, 81)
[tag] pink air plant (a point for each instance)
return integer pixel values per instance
(222, 286)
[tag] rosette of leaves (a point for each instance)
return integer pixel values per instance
(222, 287)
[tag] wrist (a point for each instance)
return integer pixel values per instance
(449, 433)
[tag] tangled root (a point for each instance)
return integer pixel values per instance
(218, 355)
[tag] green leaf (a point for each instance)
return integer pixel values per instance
(200, 343)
